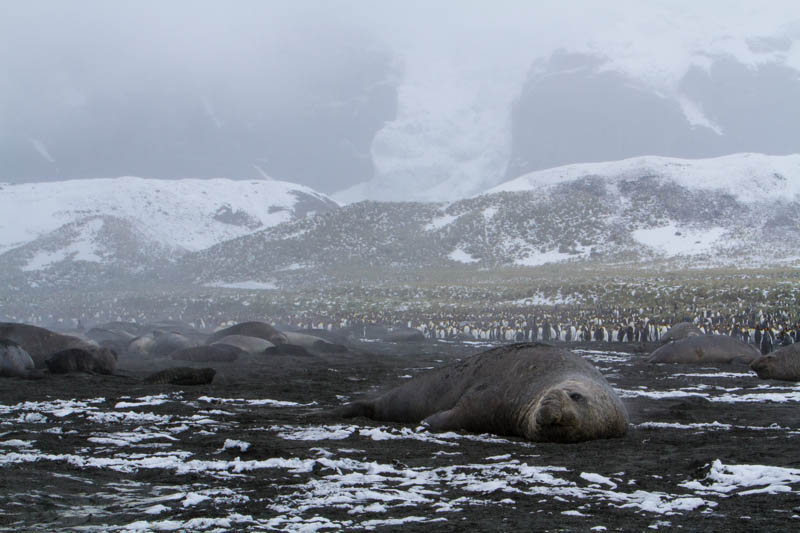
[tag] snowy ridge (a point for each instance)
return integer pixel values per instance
(187, 214)
(735, 210)
(747, 177)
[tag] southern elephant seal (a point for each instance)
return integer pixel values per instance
(312, 342)
(165, 343)
(80, 360)
(41, 343)
(15, 362)
(705, 349)
(679, 331)
(182, 375)
(251, 345)
(535, 391)
(217, 353)
(781, 364)
(261, 330)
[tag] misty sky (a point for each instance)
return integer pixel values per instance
(391, 99)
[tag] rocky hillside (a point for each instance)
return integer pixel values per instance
(51, 232)
(737, 210)
(740, 210)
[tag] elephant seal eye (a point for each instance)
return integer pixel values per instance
(576, 396)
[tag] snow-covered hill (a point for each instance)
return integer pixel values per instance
(747, 177)
(135, 222)
(740, 210)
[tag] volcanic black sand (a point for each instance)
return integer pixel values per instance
(708, 448)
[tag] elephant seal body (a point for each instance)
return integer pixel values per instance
(245, 343)
(312, 342)
(14, 361)
(79, 360)
(705, 349)
(781, 364)
(262, 330)
(535, 391)
(182, 375)
(218, 353)
(168, 342)
(679, 331)
(41, 343)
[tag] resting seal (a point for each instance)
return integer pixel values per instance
(251, 345)
(781, 364)
(681, 330)
(535, 391)
(80, 360)
(705, 349)
(15, 362)
(41, 343)
(312, 343)
(262, 330)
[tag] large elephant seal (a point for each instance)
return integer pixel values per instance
(41, 343)
(15, 362)
(679, 331)
(251, 345)
(312, 343)
(781, 364)
(218, 353)
(165, 343)
(182, 375)
(262, 330)
(705, 349)
(80, 360)
(535, 391)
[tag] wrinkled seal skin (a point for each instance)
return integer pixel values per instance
(15, 362)
(534, 391)
(79, 360)
(681, 330)
(262, 330)
(781, 364)
(218, 353)
(182, 375)
(41, 343)
(705, 349)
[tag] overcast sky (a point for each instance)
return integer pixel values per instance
(326, 93)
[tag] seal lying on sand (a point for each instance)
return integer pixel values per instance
(80, 360)
(262, 330)
(41, 343)
(781, 364)
(312, 343)
(705, 349)
(535, 391)
(182, 375)
(218, 353)
(251, 345)
(15, 362)
(681, 330)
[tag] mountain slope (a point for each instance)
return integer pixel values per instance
(736, 210)
(741, 210)
(189, 214)
(97, 231)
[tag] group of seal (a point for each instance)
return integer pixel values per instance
(42, 345)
